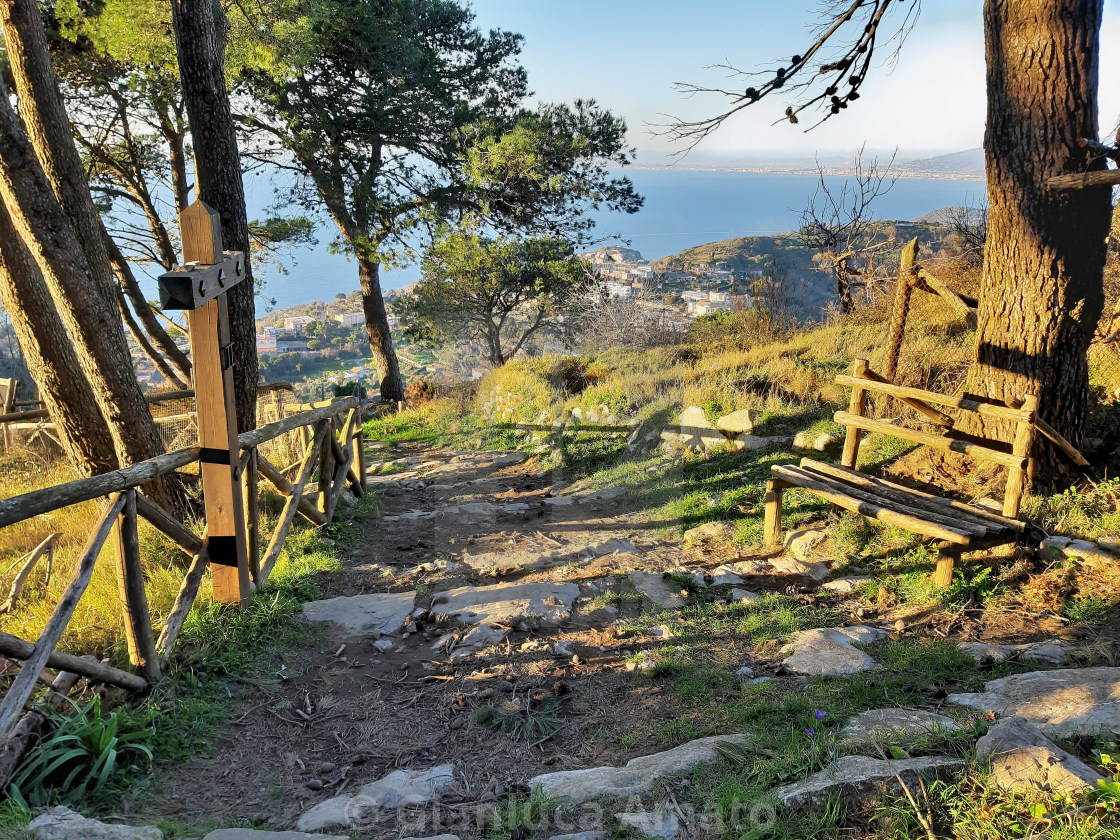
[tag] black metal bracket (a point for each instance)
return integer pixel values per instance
(222, 550)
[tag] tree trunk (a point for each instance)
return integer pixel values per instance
(377, 328)
(49, 202)
(141, 338)
(167, 347)
(1042, 290)
(50, 355)
(201, 49)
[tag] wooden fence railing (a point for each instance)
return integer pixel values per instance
(331, 437)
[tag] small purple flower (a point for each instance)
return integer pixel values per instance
(819, 715)
(810, 732)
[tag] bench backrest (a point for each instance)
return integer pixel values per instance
(863, 380)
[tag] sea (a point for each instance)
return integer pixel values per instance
(683, 208)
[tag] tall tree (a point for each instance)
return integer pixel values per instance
(200, 39)
(500, 291)
(47, 196)
(1042, 289)
(400, 114)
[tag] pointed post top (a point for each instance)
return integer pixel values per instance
(200, 227)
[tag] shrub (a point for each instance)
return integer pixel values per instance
(419, 391)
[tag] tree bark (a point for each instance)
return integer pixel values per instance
(200, 45)
(50, 355)
(377, 329)
(167, 347)
(141, 338)
(1042, 290)
(50, 206)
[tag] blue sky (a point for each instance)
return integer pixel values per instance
(627, 54)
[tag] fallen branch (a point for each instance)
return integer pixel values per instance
(917, 811)
(45, 547)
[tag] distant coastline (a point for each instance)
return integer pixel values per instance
(901, 171)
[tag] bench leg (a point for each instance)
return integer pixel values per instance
(773, 526)
(947, 556)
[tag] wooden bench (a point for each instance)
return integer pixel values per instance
(958, 526)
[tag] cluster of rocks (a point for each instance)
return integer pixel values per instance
(730, 431)
(63, 824)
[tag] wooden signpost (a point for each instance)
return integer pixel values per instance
(199, 288)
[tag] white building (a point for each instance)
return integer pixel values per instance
(351, 319)
(618, 290)
(394, 322)
(691, 295)
(266, 343)
(297, 323)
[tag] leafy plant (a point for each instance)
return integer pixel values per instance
(526, 723)
(1088, 609)
(83, 753)
(971, 584)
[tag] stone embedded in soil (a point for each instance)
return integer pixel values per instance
(637, 776)
(1052, 651)
(581, 835)
(657, 825)
(63, 824)
(401, 788)
(1061, 703)
(710, 531)
(385, 611)
(880, 725)
(793, 566)
(801, 544)
(845, 585)
(258, 834)
(829, 651)
(615, 545)
(737, 422)
(744, 595)
(859, 778)
(508, 604)
(724, 576)
(664, 593)
(1024, 760)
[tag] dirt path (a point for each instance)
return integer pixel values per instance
(365, 704)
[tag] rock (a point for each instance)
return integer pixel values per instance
(386, 611)
(477, 638)
(725, 576)
(804, 440)
(695, 417)
(1024, 760)
(258, 834)
(638, 776)
(664, 593)
(857, 778)
(564, 650)
(581, 835)
(508, 604)
(1051, 652)
(1061, 703)
(615, 545)
(737, 422)
(829, 652)
(745, 671)
(63, 824)
(515, 561)
(801, 543)
(751, 443)
(435, 837)
(986, 652)
(889, 725)
(845, 585)
(1090, 553)
(822, 442)
(384, 645)
(710, 531)
(744, 596)
(793, 566)
(658, 825)
(559, 501)
(697, 431)
(399, 788)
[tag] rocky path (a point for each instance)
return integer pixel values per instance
(479, 643)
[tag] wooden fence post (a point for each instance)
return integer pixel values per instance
(217, 419)
(326, 470)
(134, 599)
(1017, 477)
(901, 311)
(359, 447)
(857, 406)
(251, 482)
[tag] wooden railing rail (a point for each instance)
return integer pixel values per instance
(339, 461)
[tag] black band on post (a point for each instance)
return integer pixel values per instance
(209, 455)
(223, 550)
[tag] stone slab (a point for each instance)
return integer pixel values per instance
(63, 824)
(857, 777)
(256, 834)
(845, 585)
(664, 593)
(884, 725)
(793, 566)
(829, 651)
(507, 604)
(385, 611)
(400, 788)
(657, 825)
(638, 775)
(1061, 703)
(1024, 760)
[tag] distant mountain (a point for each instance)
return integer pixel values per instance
(967, 164)
(950, 215)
